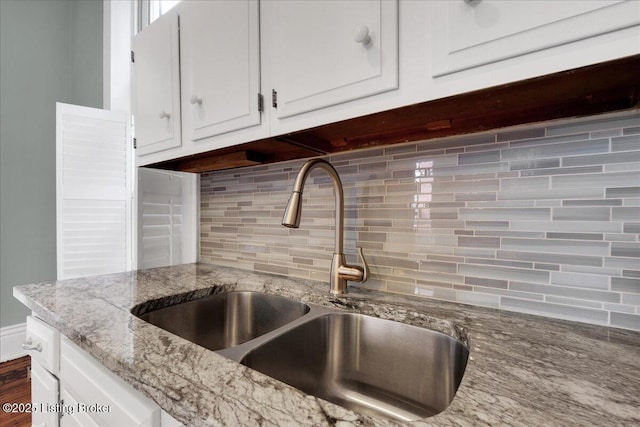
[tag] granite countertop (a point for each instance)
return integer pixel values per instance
(523, 370)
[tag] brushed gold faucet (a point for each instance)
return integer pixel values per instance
(341, 272)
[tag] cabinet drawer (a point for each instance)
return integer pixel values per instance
(89, 383)
(43, 344)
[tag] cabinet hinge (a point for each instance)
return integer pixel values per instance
(260, 102)
(135, 143)
(274, 98)
(133, 57)
(61, 405)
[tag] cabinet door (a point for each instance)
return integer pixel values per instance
(470, 33)
(323, 53)
(220, 66)
(89, 383)
(156, 81)
(44, 395)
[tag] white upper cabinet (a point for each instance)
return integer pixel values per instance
(472, 33)
(156, 86)
(220, 66)
(317, 62)
(323, 53)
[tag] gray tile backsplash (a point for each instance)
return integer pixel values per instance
(536, 219)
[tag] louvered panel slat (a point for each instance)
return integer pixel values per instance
(93, 192)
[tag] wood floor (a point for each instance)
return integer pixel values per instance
(15, 387)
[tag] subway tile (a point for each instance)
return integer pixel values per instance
(623, 320)
(445, 267)
(592, 261)
(573, 302)
(528, 184)
(620, 179)
(625, 250)
(476, 196)
(544, 194)
(625, 214)
(632, 273)
(543, 266)
(581, 214)
(621, 284)
(605, 133)
(602, 202)
(623, 192)
(559, 311)
(478, 242)
(557, 150)
(521, 134)
(457, 141)
(400, 149)
(465, 186)
(503, 263)
(622, 263)
(488, 225)
(602, 159)
(631, 130)
(580, 280)
(499, 233)
(622, 167)
(481, 157)
(593, 125)
(631, 299)
(550, 246)
(575, 236)
(568, 292)
(567, 226)
(478, 298)
(517, 165)
(550, 140)
(485, 147)
(626, 143)
(470, 171)
(503, 273)
(620, 308)
(561, 171)
(491, 283)
(372, 237)
(505, 214)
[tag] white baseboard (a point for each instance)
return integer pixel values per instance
(11, 339)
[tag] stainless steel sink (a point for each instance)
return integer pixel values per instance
(226, 319)
(367, 364)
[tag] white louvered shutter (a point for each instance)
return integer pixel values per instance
(93, 191)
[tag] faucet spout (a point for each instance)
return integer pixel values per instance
(340, 271)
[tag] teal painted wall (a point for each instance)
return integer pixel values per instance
(50, 51)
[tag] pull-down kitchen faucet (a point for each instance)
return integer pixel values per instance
(341, 272)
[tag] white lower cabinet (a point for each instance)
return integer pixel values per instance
(70, 388)
(44, 396)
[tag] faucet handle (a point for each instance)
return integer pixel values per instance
(365, 266)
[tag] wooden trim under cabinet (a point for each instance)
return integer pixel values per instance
(595, 89)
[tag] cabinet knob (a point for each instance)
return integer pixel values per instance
(28, 345)
(361, 35)
(196, 100)
(164, 115)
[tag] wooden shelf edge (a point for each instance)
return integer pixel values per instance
(596, 89)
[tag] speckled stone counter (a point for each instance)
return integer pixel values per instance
(523, 370)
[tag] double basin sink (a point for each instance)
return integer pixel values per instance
(366, 364)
